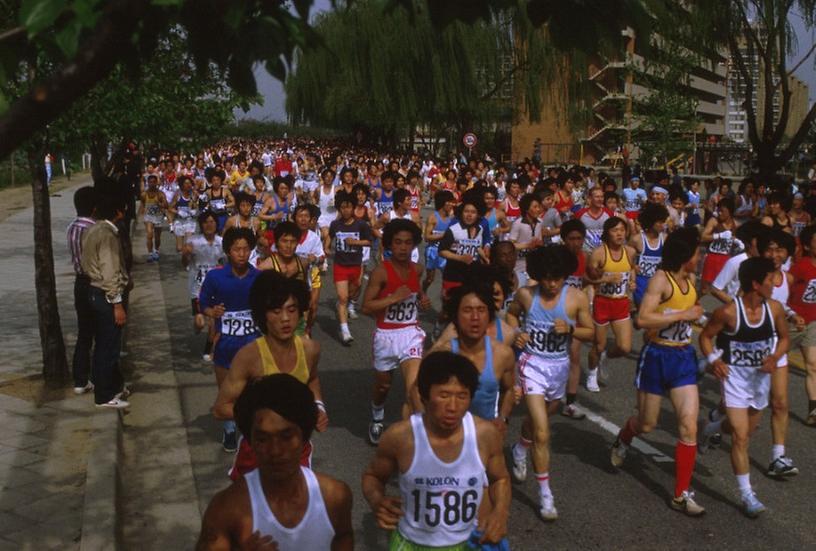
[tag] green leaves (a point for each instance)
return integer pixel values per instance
(67, 38)
(38, 15)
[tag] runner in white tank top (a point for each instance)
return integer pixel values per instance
(446, 460)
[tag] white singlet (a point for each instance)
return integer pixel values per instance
(205, 258)
(781, 293)
(313, 532)
(441, 500)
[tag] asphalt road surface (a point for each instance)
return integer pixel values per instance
(599, 507)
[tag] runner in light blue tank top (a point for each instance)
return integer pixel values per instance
(544, 342)
(647, 263)
(485, 402)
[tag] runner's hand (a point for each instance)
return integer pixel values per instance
(218, 310)
(521, 340)
(388, 512)
(799, 323)
(613, 277)
(499, 423)
(401, 293)
(322, 421)
(119, 315)
(561, 326)
(493, 527)
(424, 302)
(768, 364)
(719, 369)
(693, 314)
(518, 394)
(257, 542)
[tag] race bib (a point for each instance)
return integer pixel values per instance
(468, 247)
(414, 202)
(615, 289)
(201, 273)
(648, 265)
(575, 281)
(720, 246)
(544, 340)
(238, 324)
(809, 296)
(750, 354)
(384, 208)
(451, 507)
(184, 212)
(340, 241)
(153, 210)
(404, 312)
(678, 332)
(218, 205)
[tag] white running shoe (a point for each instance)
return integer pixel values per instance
(346, 338)
(79, 390)
(206, 357)
(548, 511)
(352, 311)
(686, 504)
(751, 506)
(592, 381)
(519, 463)
(116, 403)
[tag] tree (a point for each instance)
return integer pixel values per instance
(761, 30)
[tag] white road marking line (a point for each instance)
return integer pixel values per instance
(656, 455)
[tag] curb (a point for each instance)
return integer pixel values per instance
(101, 526)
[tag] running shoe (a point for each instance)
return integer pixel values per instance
(686, 504)
(603, 371)
(124, 394)
(78, 390)
(592, 381)
(230, 441)
(572, 411)
(375, 430)
(811, 419)
(346, 338)
(115, 403)
(548, 511)
(751, 506)
(781, 467)
(150, 257)
(206, 357)
(519, 463)
(352, 311)
(617, 453)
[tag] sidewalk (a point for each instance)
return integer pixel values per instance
(45, 436)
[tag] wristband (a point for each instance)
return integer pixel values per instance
(320, 405)
(714, 356)
(716, 236)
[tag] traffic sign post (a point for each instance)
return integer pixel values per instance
(470, 140)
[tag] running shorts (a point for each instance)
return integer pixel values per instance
(391, 347)
(432, 259)
(641, 283)
(326, 219)
(228, 346)
(156, 220)
(545, 377)
(398, 542)
(606, 310)
(346, 273)
(662, 368)
(746, 387)
(713, 265)
(184, 227)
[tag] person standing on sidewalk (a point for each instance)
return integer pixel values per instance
(84, 203)
(104, 263)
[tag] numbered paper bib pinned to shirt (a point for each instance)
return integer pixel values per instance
(238, 324)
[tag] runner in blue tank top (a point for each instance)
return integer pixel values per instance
(472, 309)
(649, 245)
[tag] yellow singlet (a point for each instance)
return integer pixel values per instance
(301, 370)
(679, 332)
(612, 266)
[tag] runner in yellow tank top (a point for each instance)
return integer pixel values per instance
(610, 269)
(270, 367)
(679, 332)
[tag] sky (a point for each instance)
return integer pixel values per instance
(275, 97)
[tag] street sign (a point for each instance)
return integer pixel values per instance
(470, 140)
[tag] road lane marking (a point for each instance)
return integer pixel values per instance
(656, 455)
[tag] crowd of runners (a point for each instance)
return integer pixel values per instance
(546, 273)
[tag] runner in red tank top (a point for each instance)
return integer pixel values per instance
(394, 297)
(803, 302)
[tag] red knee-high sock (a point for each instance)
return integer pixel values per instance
(628, 431)
(684, 457)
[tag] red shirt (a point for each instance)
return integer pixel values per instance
(403, 313)
(803, 291)
(283, 165)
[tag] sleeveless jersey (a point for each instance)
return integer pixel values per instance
(576, 279)
(441, 500)
(384, 204)
(510, 212)
(649, 259)
(184, 207)
(679, 332)
(748, 345)
(270, 367)
(415, 199)
(594, 227)
(326, 202)
(314, 531)
(403, 313)
(218, 205)
(781, 292)
(612, 266)
(539, 323)
(797, 224)
(485, 402)
(206, 256)
(152, 206)
(721, 246)
(279, 208)
(439, 228)
(257, 206)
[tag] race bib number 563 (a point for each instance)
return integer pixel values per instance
(809, 296)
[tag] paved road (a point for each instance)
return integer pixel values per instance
(599, 507)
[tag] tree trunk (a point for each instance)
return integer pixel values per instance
(99, 157)
(55, 363)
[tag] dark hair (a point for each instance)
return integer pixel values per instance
(242, 197)
(555, 262)
(611, 223)
(781, 198)
(276, 183)
(610, 195)
(754, 269)
(488, 274)
(651, 213)
(355, 189)
(85, 201)
(480, 289)
(234, 234)
(401, 195)
(471, 197)
(284, 395)
(342, 197)
(807, 236)
(271, 290)
(304, 206)
(786, 240)
(108, 203)
(676, 251)
(678, 195)
(286, 228)
(728, 203)
(398, 225)
(571, 225)
(202, 217)
(439, 367)
(258, 178)
(442, 197)
(525, 202)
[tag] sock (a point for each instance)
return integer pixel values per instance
(744, 483)
(377, 412)
(520, 449)
(571, 398)
(593, 372)
(344, 328)
(544, 484)
(777, 451)
(229, 426)
(713, 427)
(628, 431)
(684, 457)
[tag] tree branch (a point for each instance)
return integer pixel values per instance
(97, 57)
(750, 118)
(784, 108)
(799, 137)
(799, 63)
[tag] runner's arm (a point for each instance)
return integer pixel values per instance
(372, 306)
(717, 322)
(649, 318)
(234, 383)
(216, 525)
(338, 501)
(584, 326)
(783, 341)
(494, 523)
(708, 231)
(507, 359)
(387, 510)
